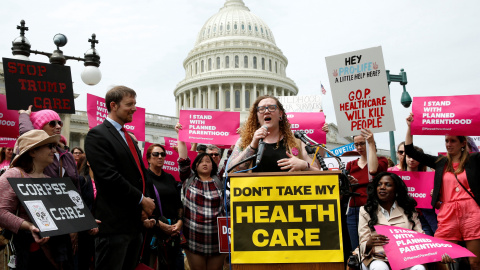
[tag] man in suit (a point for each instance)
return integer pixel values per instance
(122, 201)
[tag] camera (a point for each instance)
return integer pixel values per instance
(353, 262)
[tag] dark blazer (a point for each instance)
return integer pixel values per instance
(117, 179)
(472, 169)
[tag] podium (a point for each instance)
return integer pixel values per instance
(286, 220)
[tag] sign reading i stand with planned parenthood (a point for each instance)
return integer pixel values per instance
(53, 205)
(360, 91)
(45, 86)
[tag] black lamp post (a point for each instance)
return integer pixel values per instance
(91, 75)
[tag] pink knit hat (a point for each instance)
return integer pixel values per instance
(40, 118)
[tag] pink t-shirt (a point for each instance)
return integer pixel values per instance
(393, 169)
(451, 190)
(5, 164)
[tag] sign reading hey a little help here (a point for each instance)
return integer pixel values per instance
(360, 91)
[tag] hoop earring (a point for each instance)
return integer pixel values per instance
(463, 149)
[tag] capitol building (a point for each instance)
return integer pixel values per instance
(234, 60)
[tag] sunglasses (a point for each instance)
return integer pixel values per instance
(214, 154)
(400, 152)
(156, 154)
(54, 123)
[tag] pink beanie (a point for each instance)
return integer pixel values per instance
(63, 139)
(40, 118)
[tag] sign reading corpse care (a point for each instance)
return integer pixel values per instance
(311, 123)
(8, 120)
(97, 112)
(419, 185)
(360, 91)
(53, 205)
(448, 115)
(286, 219)
(45, 86)
(209, 127)
(408, 248)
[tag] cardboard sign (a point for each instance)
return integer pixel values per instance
(476, 139)
(311, 103)
(448, 115)
(170, 165)
(53, 205)
(333, 165)
(224, 234)
(45, 86)
(342, 149)
(311, 123)
(360, 91)
(408, 248)
(8, 120)
(419, 185)
(209, 127)
(97, 112)
(7, 142)
(286, 219)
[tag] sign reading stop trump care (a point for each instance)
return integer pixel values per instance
(45, 86)
(209, 127)
(360, 91)
(448, 115)
(287, 219)
(407, 248)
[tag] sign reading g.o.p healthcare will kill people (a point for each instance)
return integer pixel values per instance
(42, 85)
(53, 205)
(360, 91)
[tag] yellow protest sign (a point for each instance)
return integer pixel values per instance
(286, 219)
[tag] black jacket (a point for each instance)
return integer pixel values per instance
(117, 179)
(472, 168)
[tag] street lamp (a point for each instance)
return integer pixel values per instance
(406, 100)
(91, 75)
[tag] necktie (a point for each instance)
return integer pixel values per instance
(135, 155)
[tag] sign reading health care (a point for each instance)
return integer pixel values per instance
(97, 112)
(360, 91)
(419, 185)
(8, 120)
(310, 122)
(447, 115)
(408, 248)
(209, 127)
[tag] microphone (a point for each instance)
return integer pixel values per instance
(301, 136)
(261, 148)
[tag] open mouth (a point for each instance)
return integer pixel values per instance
(267, 119)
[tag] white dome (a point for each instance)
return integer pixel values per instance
(234, 20)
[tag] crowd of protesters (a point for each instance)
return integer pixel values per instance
(146, 217)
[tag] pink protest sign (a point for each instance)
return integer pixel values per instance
(408, 248)
(209, 127)
(448, 115)
(97, 112)
(8, 120)
(172, 142)
(419, 185)
(170, 165)
(7, 142)
(311, 123)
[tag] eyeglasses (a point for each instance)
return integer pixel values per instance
(54, 123)
(77, 153)
(359, 144)
(156, 154)
(214, 154)
(400, 152)
(271, 108)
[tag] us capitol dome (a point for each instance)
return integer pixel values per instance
(235, 59)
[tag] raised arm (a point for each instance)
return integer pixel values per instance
(372, 151)
(409, 137)
(182, 146)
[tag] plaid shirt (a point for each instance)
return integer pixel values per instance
(202, 207)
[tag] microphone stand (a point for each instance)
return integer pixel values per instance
(252, 157)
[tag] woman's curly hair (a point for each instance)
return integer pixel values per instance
(251, 125)
(403, 200)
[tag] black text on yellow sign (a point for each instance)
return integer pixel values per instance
(286, 225)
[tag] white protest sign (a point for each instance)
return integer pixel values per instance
(311, 103)
(360, 91)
